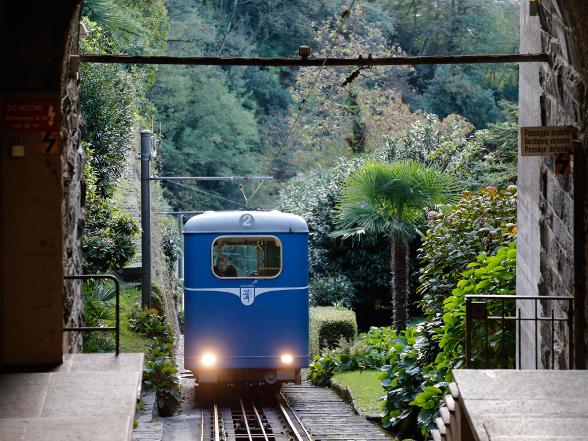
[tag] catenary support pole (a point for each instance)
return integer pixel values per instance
(181, 255)
(145, 219)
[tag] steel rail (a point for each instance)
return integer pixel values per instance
(260, 421)
(216, 423)
(282, 398)
(245, 419)
(311, 62)
(202, 425)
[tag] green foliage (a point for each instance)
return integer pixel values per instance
(494, 275)
(416, 364)
(108, 241)
(327, 291)
(314, 197)
(328, 325)
(369, 350)
(160, 372)
(490, 158)
(480, 222)
(390, 199)
(108, 97)
(451, 90)
(149, 323)
(208, 132)
(460, 27)
(171, 244)
(98, 312)
(431, 141)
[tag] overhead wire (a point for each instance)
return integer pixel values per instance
(342, 20)
(179, 184)
(222, 45)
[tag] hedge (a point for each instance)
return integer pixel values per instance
(328, 325)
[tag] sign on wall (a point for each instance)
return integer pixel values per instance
(24, 116)
(547, 141)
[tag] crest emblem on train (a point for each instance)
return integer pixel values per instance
(247, 295)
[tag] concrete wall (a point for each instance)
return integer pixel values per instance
(36, 40)
(551, 94)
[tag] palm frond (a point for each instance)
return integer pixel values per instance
(111, 17)
(391, 198)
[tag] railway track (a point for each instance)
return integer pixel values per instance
(294, 414)
(252, 417)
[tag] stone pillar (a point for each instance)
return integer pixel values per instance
(552, 93)
(36, 46)
(529, 189)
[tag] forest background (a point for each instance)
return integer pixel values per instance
(215, 121)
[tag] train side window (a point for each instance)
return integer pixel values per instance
(246, 257)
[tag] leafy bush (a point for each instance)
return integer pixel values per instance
(98, 312)
(328, 325)
(171, 244)
(327, 291)
(149, 323)
(369, 350)
(160, 373)
(493, 275)
(416, 364)
(416, 382)
(480, 222)
(108, 242)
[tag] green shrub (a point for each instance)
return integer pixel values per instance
(171, 244)
(480, 222)
(328, 325)
(370, 350)
(149, 323)
(493, 275)
(416, 381)
(327, 291)
(98, 312)
(160, 373)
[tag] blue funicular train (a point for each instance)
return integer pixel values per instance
(246, 297)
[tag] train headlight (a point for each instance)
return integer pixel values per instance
(208, 359)
(287, 358)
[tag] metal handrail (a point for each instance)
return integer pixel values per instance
(116, 327)
(475, 311)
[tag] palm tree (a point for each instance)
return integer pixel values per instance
(392, 199)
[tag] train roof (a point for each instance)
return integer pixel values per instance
(245, 222)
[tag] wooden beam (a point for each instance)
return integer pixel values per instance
(309, 62)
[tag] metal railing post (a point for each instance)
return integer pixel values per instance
(145, 219)
(116, 327)
(468, 333)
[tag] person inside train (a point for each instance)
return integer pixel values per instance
(223, 269)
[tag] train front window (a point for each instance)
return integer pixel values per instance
(246, 257)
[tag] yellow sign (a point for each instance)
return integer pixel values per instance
(50, 143)
(547, 141)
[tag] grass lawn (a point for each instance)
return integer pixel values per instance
(130, 341)
(365, 389)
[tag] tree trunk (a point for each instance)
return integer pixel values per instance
(399, 284)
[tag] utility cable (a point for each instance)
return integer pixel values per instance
(179, 184)
(310, 94)
(222, 45)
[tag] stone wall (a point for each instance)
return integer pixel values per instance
(551, 93)
(72, 160)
